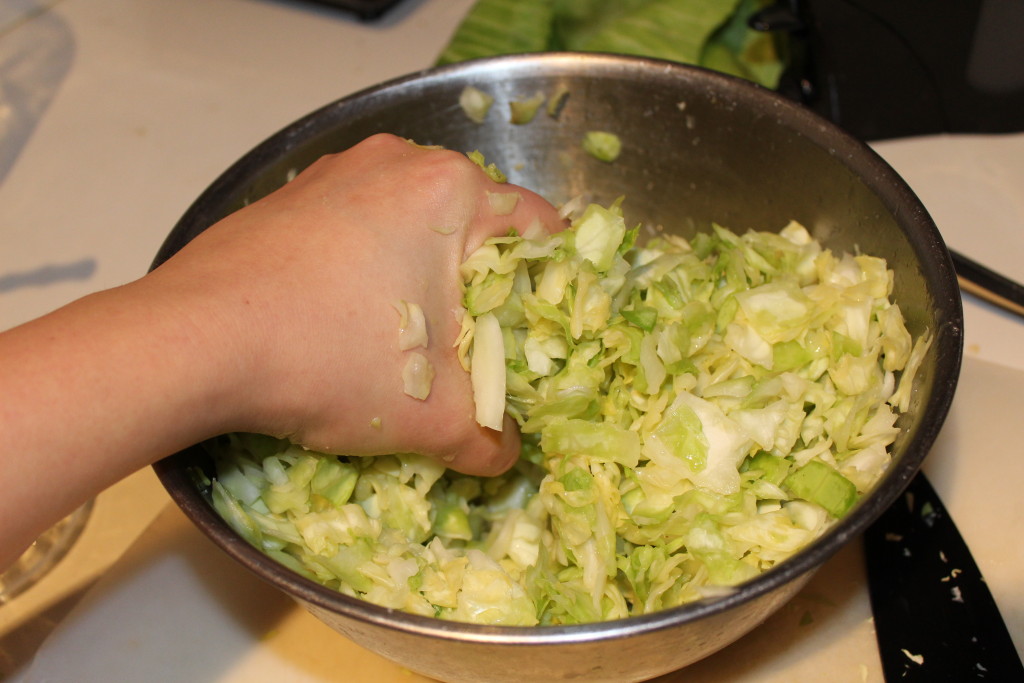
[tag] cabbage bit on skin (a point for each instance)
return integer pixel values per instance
(412, 326)
(417, 376)
(503, 203)
(417, 373)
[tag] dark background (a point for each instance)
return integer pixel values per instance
(896, 68)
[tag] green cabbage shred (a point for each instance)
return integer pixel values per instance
(693, 413)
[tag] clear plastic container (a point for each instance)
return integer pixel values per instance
(44, 554)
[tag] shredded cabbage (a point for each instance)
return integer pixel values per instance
(693, 413)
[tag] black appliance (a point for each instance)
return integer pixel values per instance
(897, 68)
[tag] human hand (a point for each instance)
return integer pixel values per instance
(279, 319)
(301, 287)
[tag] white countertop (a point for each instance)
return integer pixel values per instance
(116, 114)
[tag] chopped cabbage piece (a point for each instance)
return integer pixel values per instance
(476, 103)
(503, 203)
(602, 145)
(417, 376)
(488, 372)
(412, 326)
(523, 111)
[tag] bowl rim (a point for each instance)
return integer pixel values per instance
(894, 193)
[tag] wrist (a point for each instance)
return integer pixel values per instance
(96, 390)
(200, 353)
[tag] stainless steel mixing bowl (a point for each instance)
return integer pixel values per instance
(697, 147)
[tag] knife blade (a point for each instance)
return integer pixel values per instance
(935, 617)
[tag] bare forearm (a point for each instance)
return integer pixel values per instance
(93, 392)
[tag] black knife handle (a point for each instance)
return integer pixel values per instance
(988, 285)
(935, 618)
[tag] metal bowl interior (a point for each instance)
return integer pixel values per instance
(697, 147)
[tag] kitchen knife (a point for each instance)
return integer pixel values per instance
(935, 618)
